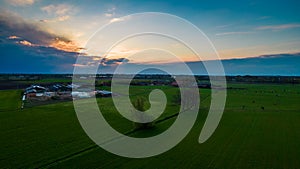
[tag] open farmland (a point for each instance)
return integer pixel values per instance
(260, 128)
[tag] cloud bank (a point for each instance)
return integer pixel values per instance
(14, 25)
(20, 2)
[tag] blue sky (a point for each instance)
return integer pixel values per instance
(53, 32)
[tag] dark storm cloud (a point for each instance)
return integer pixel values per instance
(14, 25)
(109, 62)
(17, 58)
(25, 47)
(277, 64)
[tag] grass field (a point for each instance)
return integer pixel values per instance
(260, 128)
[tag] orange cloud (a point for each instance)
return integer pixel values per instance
(59, 10)
(57, 19)
(57, 43)
(20, 2)
(65, 45)
(78, 65)
(33, 34)
(13, 37)
(26, 43)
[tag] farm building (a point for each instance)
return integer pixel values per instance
(73, 86)
(60, 88)
(103, 93)
(35, 91)
(36, 94)
(77, 94)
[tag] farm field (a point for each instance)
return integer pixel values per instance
(260, 128)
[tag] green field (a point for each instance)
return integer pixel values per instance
(260, 128)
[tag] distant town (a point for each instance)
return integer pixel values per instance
(21, 81)
(51, 88)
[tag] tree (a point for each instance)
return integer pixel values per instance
(140, 115)
(176, 99)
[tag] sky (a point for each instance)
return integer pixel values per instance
(39, 36)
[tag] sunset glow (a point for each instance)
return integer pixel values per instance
(243, 29)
